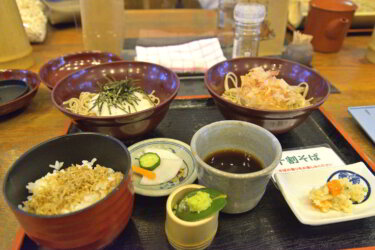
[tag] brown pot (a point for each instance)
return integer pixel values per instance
(328, 21)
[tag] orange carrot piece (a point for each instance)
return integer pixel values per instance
(334, 187)
(149, 174)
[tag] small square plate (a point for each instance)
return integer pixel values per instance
(295, 187)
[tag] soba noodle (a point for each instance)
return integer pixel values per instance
(117, 98)
(262, 90)
(81, 105)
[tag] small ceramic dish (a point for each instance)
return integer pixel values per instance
(186, 175)
(295, 187)
(58, 68)
(12, 89)
(22, 99)
(184, 234)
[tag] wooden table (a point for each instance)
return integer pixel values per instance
(348, 70)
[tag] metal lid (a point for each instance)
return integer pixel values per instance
(249, 12)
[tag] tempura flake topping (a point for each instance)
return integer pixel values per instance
(71, 189)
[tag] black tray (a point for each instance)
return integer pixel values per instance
(271, 224)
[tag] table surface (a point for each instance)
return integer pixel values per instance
(348, 70)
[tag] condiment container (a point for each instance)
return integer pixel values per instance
(300, 49)
(248, 20)
(184, 234)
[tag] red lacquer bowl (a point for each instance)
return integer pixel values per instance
(58, 68)
(275, 121)
(149, 76)
(30, 78)
(90, 228)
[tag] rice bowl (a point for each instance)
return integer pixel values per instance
(92, 227)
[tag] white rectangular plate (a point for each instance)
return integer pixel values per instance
(295, 187)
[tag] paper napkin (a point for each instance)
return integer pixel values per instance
(195, 56)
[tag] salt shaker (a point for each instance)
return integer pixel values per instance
(248, 18)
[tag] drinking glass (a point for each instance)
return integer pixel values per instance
(103, 25)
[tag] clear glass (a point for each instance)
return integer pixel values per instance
(103, 25)
(370, 55)
(226, 8)
(226, 26)
(15, 48)
(246, 40)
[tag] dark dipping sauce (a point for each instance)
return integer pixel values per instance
(234, 161)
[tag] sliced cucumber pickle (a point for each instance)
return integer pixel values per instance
(149, 161)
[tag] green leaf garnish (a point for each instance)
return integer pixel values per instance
(183, 211)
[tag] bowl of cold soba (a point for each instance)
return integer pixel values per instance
(275, 94)
(236, 158)
(123, 99)
(73, 191)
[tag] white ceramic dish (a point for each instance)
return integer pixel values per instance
(186, 175)
(295, 187)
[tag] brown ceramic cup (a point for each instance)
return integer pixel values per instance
(328, 21)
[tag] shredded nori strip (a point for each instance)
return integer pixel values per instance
(115, 93)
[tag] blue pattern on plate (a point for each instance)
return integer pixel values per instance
(353, 178)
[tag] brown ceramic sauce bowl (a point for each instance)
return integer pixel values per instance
(30, 78)
(275, 121)
(150, 77)
(90, 228)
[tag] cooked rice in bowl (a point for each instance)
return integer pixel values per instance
(337, 195)
(71, 189)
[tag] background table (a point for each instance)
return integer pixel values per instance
(348, 70)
